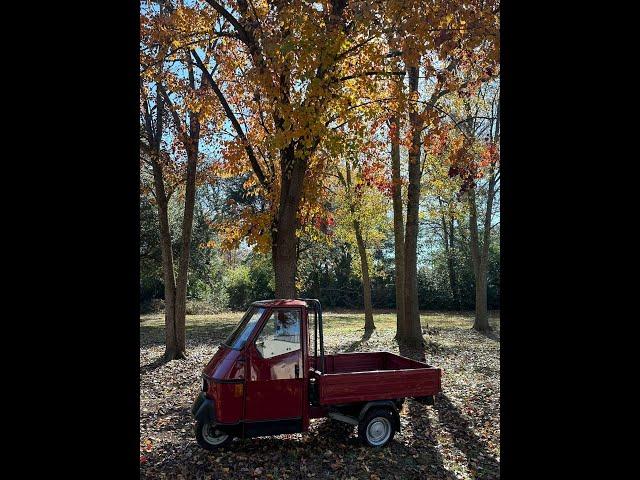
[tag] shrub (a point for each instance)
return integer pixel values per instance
(238, 288)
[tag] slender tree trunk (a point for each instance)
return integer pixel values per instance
(183, 268)
(481, 321)
(162, 201)
(369, 326)
(398, 224)
(447, 229)
(412, 334)
(190, 138)
(452, 249)
(395, 126)
(480, 247)
(366, 282)
(171, 344)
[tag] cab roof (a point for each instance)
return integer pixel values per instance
(281, 302)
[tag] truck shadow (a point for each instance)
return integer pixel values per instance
(478, 456)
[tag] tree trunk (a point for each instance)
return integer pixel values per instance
(412, 332)
(190, 138)
(284, 261)
(366, 282)
(398, 224)
(171, 344)
(162, 201)
(185, 250)
(447, 228)
(481, 321)
(452, 249)
(369, 326)
(480, 249)
(284, 234)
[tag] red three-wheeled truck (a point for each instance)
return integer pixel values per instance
(265, 380)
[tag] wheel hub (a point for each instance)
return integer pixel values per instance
(212, 435)
(378, 430)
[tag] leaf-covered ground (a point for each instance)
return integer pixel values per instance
(457, 438)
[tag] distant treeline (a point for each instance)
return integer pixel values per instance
(232, 280)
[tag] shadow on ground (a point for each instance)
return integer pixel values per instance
(491, 334)
(480, 461)
(355, 345)
(153, 335)
(426, 442)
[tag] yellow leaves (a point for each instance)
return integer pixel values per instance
(250, 226)
(249, 186)
(361, 202)
(212, 244)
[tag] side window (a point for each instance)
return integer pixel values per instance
(280, 334)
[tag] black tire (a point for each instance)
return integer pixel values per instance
(377, 428)
(207, 439)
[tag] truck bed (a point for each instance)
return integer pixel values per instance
(361, 377)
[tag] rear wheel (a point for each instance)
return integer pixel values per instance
(377, 427)
(210, 438)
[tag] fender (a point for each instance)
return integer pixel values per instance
(204, 409)
(381, 403)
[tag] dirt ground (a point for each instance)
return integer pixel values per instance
(457, 438)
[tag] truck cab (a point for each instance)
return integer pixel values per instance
(271, 376)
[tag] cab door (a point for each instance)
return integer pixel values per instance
(275, 380)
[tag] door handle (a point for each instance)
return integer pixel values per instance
(297, 370)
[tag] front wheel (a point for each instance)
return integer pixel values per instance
(210, 438)
(376, 428)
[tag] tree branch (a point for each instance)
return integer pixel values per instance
(372, 72)
(234, 121)
(176, 118)
(243, 35)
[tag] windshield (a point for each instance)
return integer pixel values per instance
(241, 333)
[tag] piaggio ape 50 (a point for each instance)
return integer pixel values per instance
(263, 380)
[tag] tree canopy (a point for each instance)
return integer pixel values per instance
(276, 123)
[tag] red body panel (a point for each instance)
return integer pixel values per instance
(363, 377)
(229, 402)
(272, 390)
(224, 365)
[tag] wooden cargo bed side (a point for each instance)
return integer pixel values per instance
(377, 385)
